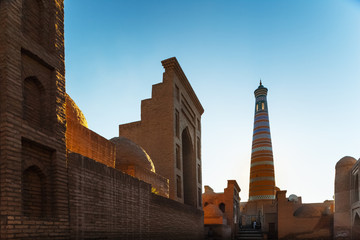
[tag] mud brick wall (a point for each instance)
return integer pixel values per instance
(108, 204)
(82, 140)
(173, 220)
(159, 184)
(32, 132)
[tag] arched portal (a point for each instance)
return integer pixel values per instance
(356, 186)
(189, 169)
(222, 207)
(33, 104)
(355, 229)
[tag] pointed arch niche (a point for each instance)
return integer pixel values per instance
(36, 179)
(33, 103)
(356, 227)
(189, 168)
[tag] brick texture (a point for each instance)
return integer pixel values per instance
(307, 221)
(106, 203)
(82, 140)
(33, 175)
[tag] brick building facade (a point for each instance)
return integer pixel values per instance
(173, 111)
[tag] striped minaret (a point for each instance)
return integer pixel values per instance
(262, 176)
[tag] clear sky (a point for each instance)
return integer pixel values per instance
(307, 53)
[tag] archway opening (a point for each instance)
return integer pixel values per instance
(356, 185)
(222, 207)
(33, 104)
(189, 169)
(355, 229)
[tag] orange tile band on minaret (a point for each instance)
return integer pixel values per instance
(262, 176)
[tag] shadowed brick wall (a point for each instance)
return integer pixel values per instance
(106, 203)
(172, 220)
(33, 175)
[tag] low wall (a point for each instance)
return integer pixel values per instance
(108, 204)
(171, 220)
(159, 184)
(305, 221)
(82, 140)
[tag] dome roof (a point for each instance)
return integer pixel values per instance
(129, 153)
(307, 211)
(293, 198)
(73, 112)
(211, 211)
(345, 161)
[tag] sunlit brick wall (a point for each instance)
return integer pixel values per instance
(82, 140)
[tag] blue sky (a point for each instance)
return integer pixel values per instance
(306, 52)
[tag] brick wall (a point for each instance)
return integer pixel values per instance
(306, 221)
(23, 176)
(173, 220)
(159, 184)
(108, 204)
(82, 140)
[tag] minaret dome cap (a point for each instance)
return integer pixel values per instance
(261, 90)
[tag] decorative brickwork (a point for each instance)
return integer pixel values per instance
(262, 176)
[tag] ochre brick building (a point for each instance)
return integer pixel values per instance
(59, 179)
(221, 211)
(172, 101)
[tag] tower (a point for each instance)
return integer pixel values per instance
(262, 176)
(33, 180)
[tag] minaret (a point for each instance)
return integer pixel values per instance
(262, 176)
